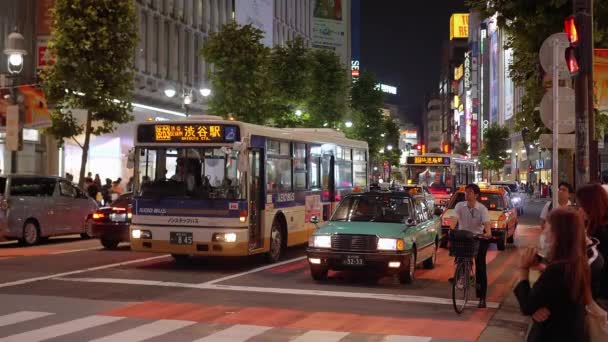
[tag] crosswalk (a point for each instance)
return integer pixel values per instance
(34, 326)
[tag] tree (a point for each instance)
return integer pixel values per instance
(94, 43)
(239, 78)
(366, 103)
(495, 145)
(462, 147)
(528, 24)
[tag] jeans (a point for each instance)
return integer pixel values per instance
(481, 275)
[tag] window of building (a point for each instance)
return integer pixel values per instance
(188, 54)
(155, 45)
(299, 166)
(143, 39)
(167, 50)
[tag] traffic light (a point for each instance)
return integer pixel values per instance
(418, 147)
(573, 38)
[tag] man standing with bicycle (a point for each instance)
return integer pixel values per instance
(473, 216)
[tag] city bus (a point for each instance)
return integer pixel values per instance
(442, 173)
(217, 187)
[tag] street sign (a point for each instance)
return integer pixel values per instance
(565, 141)
(566, 121)
(546, 54)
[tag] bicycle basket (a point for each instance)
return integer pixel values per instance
(464, 248)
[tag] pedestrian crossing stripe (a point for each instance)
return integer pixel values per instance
(165, 327)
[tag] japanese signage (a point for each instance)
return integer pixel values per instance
(600, 79)
(467, 70)
(330, 27)
(354, 69)
(187, 133)
(458, 72)
(459, 25)
(428, 160)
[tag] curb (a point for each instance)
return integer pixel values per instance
(507, 324)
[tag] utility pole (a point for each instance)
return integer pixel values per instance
(586, 145)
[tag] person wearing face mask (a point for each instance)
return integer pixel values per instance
(558, 299)
(593, 202)
(563, 198)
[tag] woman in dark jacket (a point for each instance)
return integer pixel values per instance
(593, 199)
(557, 300)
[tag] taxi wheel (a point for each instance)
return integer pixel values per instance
(430, 262)
(109, 243)
(501, 243)
(406, 276)
(511, 238)
(180, 258)
(319, 273)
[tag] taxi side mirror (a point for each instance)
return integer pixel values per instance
(410, 222)
(314, 219)
(438, 211)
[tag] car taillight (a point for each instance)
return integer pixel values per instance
(98, 215)
(243, 215)
(502, 217)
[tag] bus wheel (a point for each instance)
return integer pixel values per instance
(276, 243)
(180, 258)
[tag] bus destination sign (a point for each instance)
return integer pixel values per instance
(187, 133)
(428, 160)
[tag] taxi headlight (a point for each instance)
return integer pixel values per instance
(321, 241)
(385, 244)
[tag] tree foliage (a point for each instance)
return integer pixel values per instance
(528, 23)
(239, 78)
(462, 147)
(366, 104)
(94, 43)
(495, 145)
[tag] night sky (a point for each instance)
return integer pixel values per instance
(401, 44)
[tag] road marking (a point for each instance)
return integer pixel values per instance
(285, 291)
(146, 331)
(61, 329)
(396, 338)
(255, 270)
(77, 250)
(57, 275)
(21, 316)
(236, 333)
(321, 336)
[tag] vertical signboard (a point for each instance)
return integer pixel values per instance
(258, 13)
(330, 30)
(494, 68)
(509, 87)
(600, 79)
(459, 25)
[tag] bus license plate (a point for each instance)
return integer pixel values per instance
(353, 260)
(180, 238)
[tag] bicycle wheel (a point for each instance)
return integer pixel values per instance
(460, 287)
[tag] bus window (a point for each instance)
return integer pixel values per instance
(278, 174)
(359, 169)
(299, 166)
(315, 170)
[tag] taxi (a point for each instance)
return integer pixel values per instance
(391, 232)
(503, 214)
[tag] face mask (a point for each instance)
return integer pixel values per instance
(545, 244)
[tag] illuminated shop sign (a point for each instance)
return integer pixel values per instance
(426, 160)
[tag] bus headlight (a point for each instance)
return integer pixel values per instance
(141, 234)
(224, 237)
(385, 244)
(321, 241)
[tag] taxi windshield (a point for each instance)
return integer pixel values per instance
(492, 201)
(387, 209)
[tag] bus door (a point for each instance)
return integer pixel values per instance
(328, 185)
(255, 199)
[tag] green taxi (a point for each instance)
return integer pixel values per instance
(391, 232)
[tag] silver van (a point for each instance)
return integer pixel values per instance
(36, 207)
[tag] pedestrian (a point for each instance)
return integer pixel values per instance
(473, 216)
(563, 199)
(593, 201)
(91, 188)
(558, 299)
(130, 184)
(97, 180)
(116, 190)
(106, 192)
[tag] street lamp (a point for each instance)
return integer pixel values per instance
(389, 147)
(170, 91)
(15, 50)
(298, 112)
(205, 91)
(348, 124)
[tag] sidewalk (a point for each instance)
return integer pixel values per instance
(507, 324)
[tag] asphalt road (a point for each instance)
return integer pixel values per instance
(72, 290)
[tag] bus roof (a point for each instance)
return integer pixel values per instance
(312, 135)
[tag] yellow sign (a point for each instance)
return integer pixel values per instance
(425, 160)
(456, 101)
(459, 25)
(600, 79)
(458, 72)
(190, 133)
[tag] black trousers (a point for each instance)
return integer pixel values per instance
(481, 275)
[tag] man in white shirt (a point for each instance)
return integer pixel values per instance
(473, 216)
(563, 199)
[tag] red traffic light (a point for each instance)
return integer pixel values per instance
(418, 147)
(571, 31)
(571, 61)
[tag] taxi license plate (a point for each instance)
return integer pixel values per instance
(180, 238)
(353, 260)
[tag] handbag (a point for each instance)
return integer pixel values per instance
(596, 323)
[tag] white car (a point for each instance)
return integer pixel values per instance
(518, 195)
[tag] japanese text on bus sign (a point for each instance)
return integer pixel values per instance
(188, 133)
(428, 160)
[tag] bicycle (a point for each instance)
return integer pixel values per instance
(463, 246)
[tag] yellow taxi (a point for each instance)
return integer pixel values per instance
(502, 214)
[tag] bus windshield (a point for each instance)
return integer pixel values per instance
(438, 178)
(190, 172)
